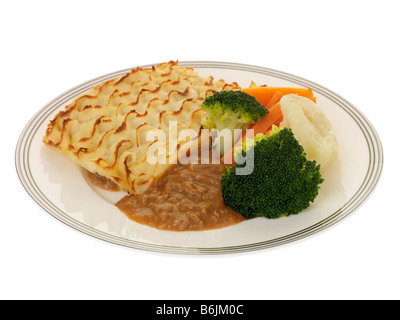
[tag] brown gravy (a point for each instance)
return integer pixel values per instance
(188, 197)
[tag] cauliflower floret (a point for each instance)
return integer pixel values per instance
(311, 128)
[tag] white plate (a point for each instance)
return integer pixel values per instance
(59, 187)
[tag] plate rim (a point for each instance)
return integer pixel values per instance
(371, 179)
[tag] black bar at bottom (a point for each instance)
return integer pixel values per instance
(200, 309)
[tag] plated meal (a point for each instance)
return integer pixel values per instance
(199, 157)
(193, 153)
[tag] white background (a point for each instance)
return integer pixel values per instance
(350, 47)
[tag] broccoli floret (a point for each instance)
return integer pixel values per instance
(283, 182)
(231, 110)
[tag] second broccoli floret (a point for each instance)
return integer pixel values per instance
(231, 110)
(283, 182)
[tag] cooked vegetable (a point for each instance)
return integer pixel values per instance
(274, 117)
(270, 98)
(230, 110)
(274, 99)
(311, 128)
(264, 94)
(283, 181)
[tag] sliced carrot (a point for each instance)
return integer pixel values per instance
(273, 117)
(228, 159)
(276, 98)
(264, 94)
